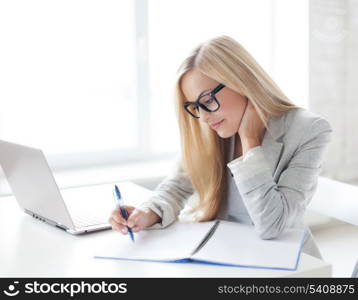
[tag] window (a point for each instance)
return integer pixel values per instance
(92, 82)
(67, 77)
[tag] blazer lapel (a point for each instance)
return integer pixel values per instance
(271, 145)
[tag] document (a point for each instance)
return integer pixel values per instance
(214, 242)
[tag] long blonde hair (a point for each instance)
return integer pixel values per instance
(204, 153)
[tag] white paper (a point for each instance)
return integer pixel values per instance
(239, 244)
(175, 242)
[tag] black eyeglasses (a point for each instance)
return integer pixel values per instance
(206, 101)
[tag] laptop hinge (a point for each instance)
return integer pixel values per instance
(48, 221)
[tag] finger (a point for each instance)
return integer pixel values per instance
(115, 225)
(137, 228)
(117, 216)
(129, 209)
(134, 218)
(248, 104)
(120, 228)
(244, 115)
(124, 230)
(112, 221)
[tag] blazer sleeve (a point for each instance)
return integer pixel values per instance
(275, 206)
(169, 196)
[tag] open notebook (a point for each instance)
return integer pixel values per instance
(214, 242)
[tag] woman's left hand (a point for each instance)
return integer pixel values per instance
(251, 130)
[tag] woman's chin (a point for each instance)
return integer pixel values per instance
(225, 133)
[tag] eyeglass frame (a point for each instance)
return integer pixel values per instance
(197, 103)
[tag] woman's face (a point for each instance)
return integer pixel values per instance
(232, 104)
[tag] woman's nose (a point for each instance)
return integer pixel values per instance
(204, 115)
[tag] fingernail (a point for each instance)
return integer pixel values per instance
(130, 223)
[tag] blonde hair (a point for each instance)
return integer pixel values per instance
(204, 153)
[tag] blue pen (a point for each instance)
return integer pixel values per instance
(120, 204)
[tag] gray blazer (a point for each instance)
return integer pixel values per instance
(276, 180)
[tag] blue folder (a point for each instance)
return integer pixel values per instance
(217, 242)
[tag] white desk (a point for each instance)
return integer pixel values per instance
(336, 199)
(30, 248)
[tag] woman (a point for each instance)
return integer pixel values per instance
(249, 153)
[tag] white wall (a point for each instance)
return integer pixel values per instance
(333, 81)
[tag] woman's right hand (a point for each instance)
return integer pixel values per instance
(138, 219)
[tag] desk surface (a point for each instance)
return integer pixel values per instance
(30, 248)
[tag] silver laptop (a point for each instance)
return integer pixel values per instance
(75, 210)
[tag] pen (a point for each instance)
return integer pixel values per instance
(120, 204)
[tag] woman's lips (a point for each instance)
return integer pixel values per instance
(216, 125)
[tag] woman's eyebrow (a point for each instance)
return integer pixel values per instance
(203, 92)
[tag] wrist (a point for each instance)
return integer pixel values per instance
(154, 217)
(248, 144)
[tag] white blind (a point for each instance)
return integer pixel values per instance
(67, 81)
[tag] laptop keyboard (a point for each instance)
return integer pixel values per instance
(84, 221)
(89, 206)
(93, 205)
